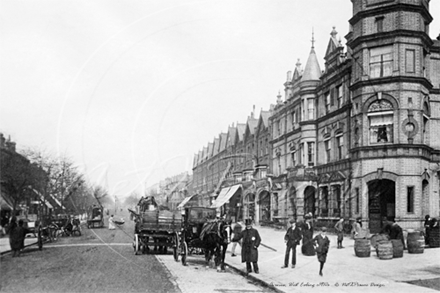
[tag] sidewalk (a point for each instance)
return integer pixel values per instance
(5, 247)
(343, 271)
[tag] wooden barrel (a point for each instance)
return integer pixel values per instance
(385, 250)
(434, 237)
(397, 248)
(362, 247)
(378, 238)
(415, 242)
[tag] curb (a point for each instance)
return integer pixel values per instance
(254, 279)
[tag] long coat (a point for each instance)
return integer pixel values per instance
(323, 244)
(16, 236)
(307, 247)
(293, 236)
(249, 247)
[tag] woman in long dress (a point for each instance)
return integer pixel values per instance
(111, 223)
(307, 241)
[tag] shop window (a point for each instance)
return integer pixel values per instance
(381, 61)
(380, 116)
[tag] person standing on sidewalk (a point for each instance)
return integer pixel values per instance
(235, 235)
(292, 239)
(307, 233)
(249, 247)
(339, 227)
(111, 223)
(321, 244)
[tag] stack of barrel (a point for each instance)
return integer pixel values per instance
(362, 244)
(415, 242)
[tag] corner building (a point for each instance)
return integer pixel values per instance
(362, 137)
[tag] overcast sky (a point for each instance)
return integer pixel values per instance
(131, 90)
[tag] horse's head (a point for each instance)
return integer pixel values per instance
(225, 231)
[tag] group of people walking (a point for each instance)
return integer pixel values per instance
(249, 239)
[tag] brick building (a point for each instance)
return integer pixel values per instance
(359, 138)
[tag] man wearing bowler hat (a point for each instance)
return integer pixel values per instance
(249, 248)
(292, 239)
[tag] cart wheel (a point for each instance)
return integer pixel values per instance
(176, 244)
(184, 252)
(136, 244)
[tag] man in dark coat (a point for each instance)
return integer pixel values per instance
(321, 244)
(292, 239)
(249, 247)
(396, 232)
(16, 236)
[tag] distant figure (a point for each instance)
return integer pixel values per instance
(357, 227)
(249, 249)
(426, 225)
(322, 245)
(237, 229)
(292, 239)
(339, 227)
(307, 233)
(111, 224)
(16, 236)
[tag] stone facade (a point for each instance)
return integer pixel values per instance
(358, 139)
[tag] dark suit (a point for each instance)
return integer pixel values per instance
(292, 238)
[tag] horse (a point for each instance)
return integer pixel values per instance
(216, 237)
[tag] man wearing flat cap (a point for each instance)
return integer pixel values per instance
(249, 247)
(292, 239)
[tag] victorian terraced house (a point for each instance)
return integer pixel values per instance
(360, 138)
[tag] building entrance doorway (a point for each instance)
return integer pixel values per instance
(249, 206)
(264, 213)
(381, 203)
(309, 200)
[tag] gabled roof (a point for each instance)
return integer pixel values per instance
(195, 160)
(216, 146)
(264, 116)
(332, 44)
(252, 124)
(232, 131)
(210, 149)
(240, 131)
(205, 153)
(199, 157)
(223, 137)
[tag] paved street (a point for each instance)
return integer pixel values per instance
(103, 261)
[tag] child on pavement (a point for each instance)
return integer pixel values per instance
(321, 244)
(339, 227)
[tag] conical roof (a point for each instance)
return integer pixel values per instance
(312, 70)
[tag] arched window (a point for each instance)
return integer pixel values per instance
(380, 116)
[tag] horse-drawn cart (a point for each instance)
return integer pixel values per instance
(96, 218)
(155, 227)
(194, 220)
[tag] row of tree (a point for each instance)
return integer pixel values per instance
(39, 174)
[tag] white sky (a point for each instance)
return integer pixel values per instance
(131, 90)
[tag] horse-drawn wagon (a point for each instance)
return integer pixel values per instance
(96, 218)
(203, 233)
(156, 227)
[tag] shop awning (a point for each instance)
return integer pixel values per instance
(185, 201)
(225, 195)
